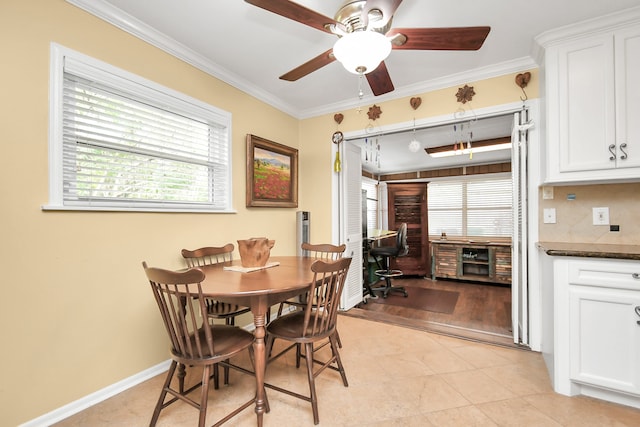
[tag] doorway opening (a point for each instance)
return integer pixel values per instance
(519, 300)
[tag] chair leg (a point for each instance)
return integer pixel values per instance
(333, 339)
(216, 373)
(182, 373)
(226, 373)
(338, 339)
(163, 393)
(204, 395)
(308, 349)
(298, 355)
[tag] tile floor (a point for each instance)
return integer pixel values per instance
(397, 377)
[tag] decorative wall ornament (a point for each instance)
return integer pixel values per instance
(522, 80)
(374, 112)
(415, 102)
(338, 118)
(465, 94)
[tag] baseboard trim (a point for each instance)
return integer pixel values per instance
(94, 398)
(97, 397)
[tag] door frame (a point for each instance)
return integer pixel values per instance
(534, 180)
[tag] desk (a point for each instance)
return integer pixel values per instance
(374, 236)
(258, 290)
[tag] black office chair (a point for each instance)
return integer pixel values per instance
(383, 255)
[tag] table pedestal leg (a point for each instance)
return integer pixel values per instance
(260, 355)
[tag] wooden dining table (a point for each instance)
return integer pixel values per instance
(258, 290)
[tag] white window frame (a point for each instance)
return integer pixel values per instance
(159, 95)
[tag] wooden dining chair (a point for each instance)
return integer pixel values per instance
(314, 324)
(215, 255)
(193, 342)
(216, 309)
(322, 251)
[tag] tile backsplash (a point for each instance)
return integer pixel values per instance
(574, 214)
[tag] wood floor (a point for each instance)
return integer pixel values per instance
(482, 313)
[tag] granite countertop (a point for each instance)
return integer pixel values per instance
(591, 250)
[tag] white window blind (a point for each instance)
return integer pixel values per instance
(125, 143)
(371, 187)
(478, 207)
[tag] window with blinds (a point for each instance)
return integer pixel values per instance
(124, 143)
(478, 207)
(371, 187)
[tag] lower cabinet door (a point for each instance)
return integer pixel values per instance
(605, 337)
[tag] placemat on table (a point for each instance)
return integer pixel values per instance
(242, 269)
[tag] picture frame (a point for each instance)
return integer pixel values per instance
(272, 174)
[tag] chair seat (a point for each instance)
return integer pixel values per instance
(290, 327)
(384, 251)
(228, 340)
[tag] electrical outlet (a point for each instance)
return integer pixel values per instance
(600, 216)
(549, 216)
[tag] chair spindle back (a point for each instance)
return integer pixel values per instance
(208, 255)
(323, 251)
(181, 304)
(323, 296)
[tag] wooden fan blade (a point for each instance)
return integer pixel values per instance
(455, 38)
(387, 7)
(309, 66)
(379, 80)
(296, 12)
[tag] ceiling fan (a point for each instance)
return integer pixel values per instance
(370, 20)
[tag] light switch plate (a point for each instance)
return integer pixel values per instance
(601, 216)
(549, 215)
(547, 193)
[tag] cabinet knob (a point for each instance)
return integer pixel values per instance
(635, 275)
(623, 146)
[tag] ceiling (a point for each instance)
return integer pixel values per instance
(250, 48)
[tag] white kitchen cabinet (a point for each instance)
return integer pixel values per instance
(597, 341)
(605, 338)
(593, 97)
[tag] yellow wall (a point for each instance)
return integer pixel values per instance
(77, 314)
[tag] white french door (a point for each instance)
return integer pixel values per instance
(519, 238)
(350, 201)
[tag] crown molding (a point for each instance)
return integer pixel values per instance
(139, 29)
(496, 70)
(588, 27)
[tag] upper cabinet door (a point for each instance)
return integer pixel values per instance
(586, 105)
(627, 75)
(593, 95)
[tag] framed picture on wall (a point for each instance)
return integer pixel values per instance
(272, 174)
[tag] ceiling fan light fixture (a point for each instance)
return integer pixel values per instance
(360, 52)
